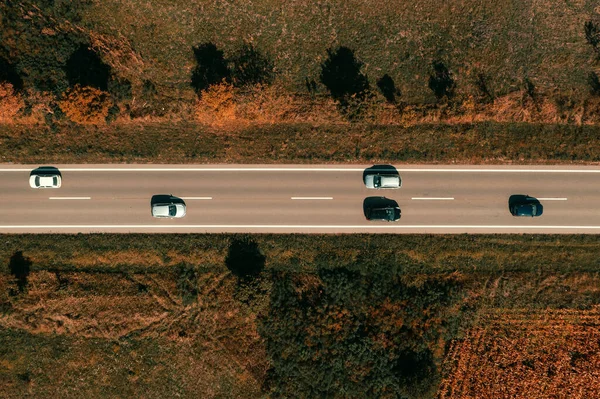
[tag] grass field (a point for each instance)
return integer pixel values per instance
(508, 41)
(476, 143)
(113, 316)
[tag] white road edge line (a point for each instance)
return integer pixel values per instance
(312, 198)
(196, 198)
(70, 198)
(433, 198)
(551, 199)
(278, 226)
(276, 169)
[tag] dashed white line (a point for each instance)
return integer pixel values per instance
(312, 198)
(70, 198)
(197, 198)
(434, 198)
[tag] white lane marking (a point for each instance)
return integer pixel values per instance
(312, 198)
(70, 198)
(279, 169)
(280, 226)
(551, 199)
(433, 198)
(196, 198)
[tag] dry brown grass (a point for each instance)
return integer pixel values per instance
(527, 354)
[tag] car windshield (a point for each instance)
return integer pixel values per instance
(377, 181)
(172, 210)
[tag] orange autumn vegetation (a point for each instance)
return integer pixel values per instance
(85, 105)
(527, 354)
(10, 103)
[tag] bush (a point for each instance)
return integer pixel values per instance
(10, 102)
(38, 36)
(211, 67)
(20, 267)
(85, 105)
(216, 104)
(441, 81)
(250, 67)
(341, 74)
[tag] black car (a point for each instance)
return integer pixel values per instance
(524, 205)
(381, 208)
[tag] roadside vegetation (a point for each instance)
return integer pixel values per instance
(353, 315)
(113, 69)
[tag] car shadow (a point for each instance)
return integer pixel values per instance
(45, 170)
(377, 202)
(165, 199)
(386, 169)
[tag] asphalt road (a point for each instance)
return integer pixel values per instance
(298, 198)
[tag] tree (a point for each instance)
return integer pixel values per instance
(250, 67)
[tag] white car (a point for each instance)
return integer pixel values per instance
(167, 206)
(45, 177)
(379, 180)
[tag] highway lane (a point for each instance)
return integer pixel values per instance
(258, 198)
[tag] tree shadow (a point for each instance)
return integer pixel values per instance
(341, 74)
(211, 67)
(244, 257)
(85, 68)
(388, 88)
(250, 67)
(8, 73)
(20, 267)
(440, 81)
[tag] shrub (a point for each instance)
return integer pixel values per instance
(341, 74)
(216, 104)
(19, 267)
(85, 105)
(440, 81)
(10, 102)
(211, 67)
(39, 36)
(250, 67)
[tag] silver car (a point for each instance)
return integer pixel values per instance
(380, 180)
(45, 177)
(167, 206)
